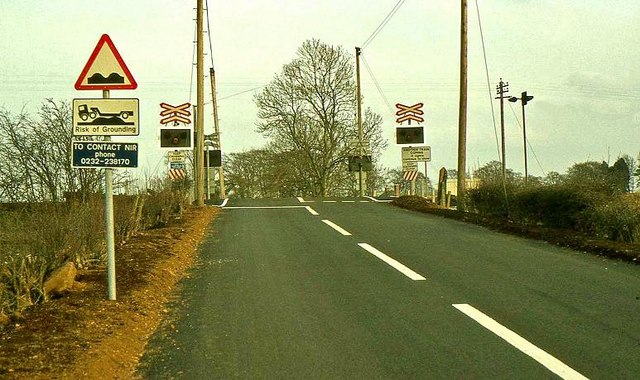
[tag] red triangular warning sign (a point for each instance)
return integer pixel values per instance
(105, 69)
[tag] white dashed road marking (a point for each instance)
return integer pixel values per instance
(336, 227)
(553, 364)
(393, 262)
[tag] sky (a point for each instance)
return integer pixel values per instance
(578, 58)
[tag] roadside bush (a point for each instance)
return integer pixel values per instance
(37, 238)
(489, 198)
(551, 206)
(617, 219)
(414, 202)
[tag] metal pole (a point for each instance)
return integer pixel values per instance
(462, 111)
(108, 217)
(216, 125)
(524, 135)
(426, 180)
(199, 133)
(359, 103)
(208, 169)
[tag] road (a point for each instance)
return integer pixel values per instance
(356, 289)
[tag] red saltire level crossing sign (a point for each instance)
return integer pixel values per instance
(175, 113)
(105, 69)
(408, 113)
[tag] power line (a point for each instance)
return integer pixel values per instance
(375, 81)
(242, 92)
(486, 69)
(193, 57)
(535, 156)
(209, 31)
(382, 24)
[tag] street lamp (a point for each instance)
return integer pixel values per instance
(524, 99)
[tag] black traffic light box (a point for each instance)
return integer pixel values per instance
(355, 162)
(409, 135)
(215, 158)
(175, 138)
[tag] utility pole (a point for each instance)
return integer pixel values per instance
(502, 89)
(359, 102)
(524, 99)
(216, 125)
(462, 111)
(199, 130)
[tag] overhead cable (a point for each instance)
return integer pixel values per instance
(382, 24)
(486, 69)
(375, 81)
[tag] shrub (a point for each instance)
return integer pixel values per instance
(551, 206)
(414, 202)
(36, 238)
(489, 198)
(617, 219)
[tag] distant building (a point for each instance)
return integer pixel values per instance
(452, 185)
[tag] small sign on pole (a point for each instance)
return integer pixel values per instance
(105, 117)
(91, 154)
(416, 153)
(105, 69)
(409, 166)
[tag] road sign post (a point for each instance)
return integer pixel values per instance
(105, 70)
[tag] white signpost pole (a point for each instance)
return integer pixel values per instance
(108, 216)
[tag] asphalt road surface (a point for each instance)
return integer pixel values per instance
(356, 289)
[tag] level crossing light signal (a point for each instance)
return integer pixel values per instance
(360, 162)
(175, 138)
(215, 158)
(409, 135)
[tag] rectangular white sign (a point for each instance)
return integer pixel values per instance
(178, 156)
(105, 117)
(417, 153)
(409, 166)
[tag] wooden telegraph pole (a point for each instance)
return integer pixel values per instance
(216, 125)
(462, 112)
(199, 127)
(502, 89)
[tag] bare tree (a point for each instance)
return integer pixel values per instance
(35, 157)
(308, 112)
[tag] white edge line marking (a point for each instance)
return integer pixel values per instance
(301, 200)
(348, 201)
(262, 207)
(551, 363)
(393, 262)
(329, 201)
(336, 227)
(224, 203)
(377, 200)
(311, 211)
